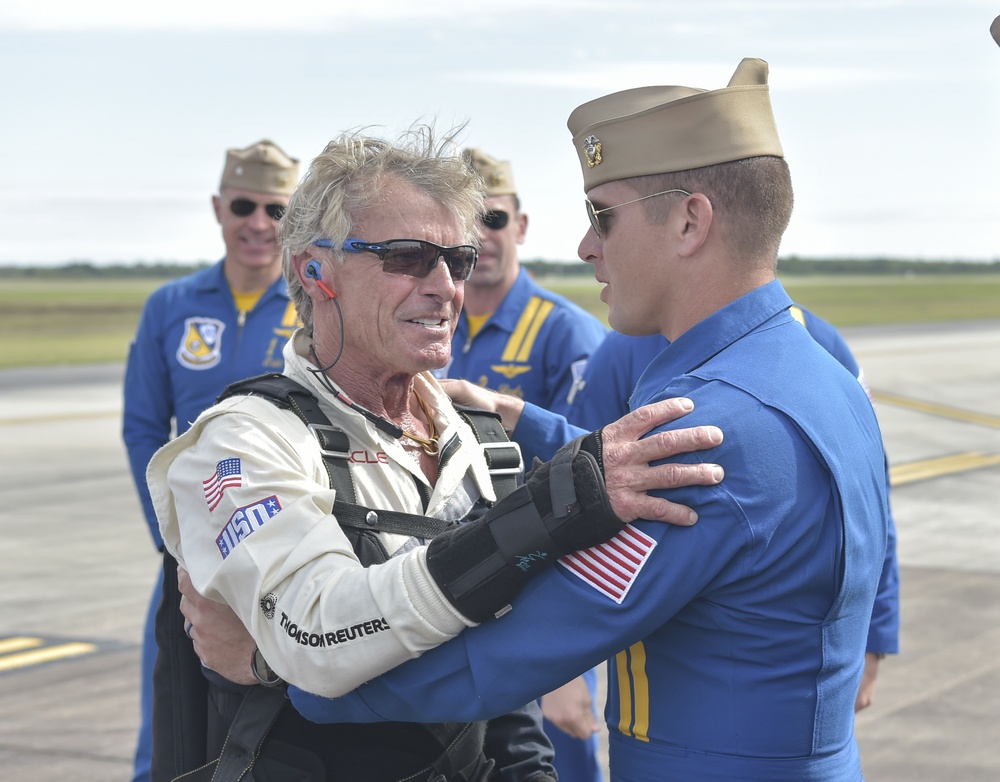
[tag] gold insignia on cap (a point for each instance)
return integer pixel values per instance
(592, 146)
(495, 179)
(662, 129)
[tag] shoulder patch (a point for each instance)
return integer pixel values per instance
(612, 567)
(201, 344)
(228, 474)
(244, 522)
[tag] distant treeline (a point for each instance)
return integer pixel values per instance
(85, 269)
(792, 265)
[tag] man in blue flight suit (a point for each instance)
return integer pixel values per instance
(603, 395)
(735, 647)
(203, 331)
(514, 336)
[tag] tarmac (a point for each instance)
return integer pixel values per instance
(77, 565)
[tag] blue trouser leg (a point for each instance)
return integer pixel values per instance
(144, 745)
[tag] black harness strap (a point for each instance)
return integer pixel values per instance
(503, 458)
(463, 757)
(291, 395)
(256, 715)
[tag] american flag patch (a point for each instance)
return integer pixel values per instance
(227, 475)
(612, 567)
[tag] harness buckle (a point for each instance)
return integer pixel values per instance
(332, 441)
(512, 448)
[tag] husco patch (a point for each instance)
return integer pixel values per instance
(244, 522)
(201, 345)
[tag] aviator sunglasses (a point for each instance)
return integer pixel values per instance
(244, 207)
(413, 257)
(595, 214)
(495, 219)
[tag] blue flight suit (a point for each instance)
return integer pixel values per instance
(734, 647)
(190, 344)
(535, 346)
(603, 396)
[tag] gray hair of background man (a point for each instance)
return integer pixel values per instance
(349, 176)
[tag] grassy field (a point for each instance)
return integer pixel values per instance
(75, 321)
(856, 301)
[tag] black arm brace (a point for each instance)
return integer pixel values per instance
(562, 507)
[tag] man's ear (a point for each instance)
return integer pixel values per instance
(522, 227)
(217, 207)
(298, 264)
(695, 216)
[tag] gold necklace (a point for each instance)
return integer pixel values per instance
(429, 444)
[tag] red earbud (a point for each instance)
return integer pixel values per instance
(326, 289)
(312, 272)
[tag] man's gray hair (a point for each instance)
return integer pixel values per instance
(349, 176)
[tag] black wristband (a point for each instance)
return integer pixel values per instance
(482, 565)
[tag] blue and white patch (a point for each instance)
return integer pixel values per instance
(577, 369)
(244, 522)
(201, 344)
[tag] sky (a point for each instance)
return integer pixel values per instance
(115, 117)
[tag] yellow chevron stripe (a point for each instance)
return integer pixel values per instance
(519, 345)
(510, 351)
(536, 325)
(633, 692)
(291, 318)
(624, 693)
(641, 687)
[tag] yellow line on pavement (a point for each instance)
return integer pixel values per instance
(945, 465)
(45, 655)
(49, 419)
(932, 408)
(18, 643)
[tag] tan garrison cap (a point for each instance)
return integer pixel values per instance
(995, 30)
(498, 174)
(262, 167)
(656, 130)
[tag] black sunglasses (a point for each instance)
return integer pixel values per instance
(414, 257)
(244, 207)
(495, 219)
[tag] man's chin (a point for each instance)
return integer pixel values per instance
(257, 260)
(483, 279)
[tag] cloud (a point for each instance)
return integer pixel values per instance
(234, 15)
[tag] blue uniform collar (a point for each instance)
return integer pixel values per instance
(213, 278)
(709, 337)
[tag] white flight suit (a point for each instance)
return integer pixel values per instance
(271, 549)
